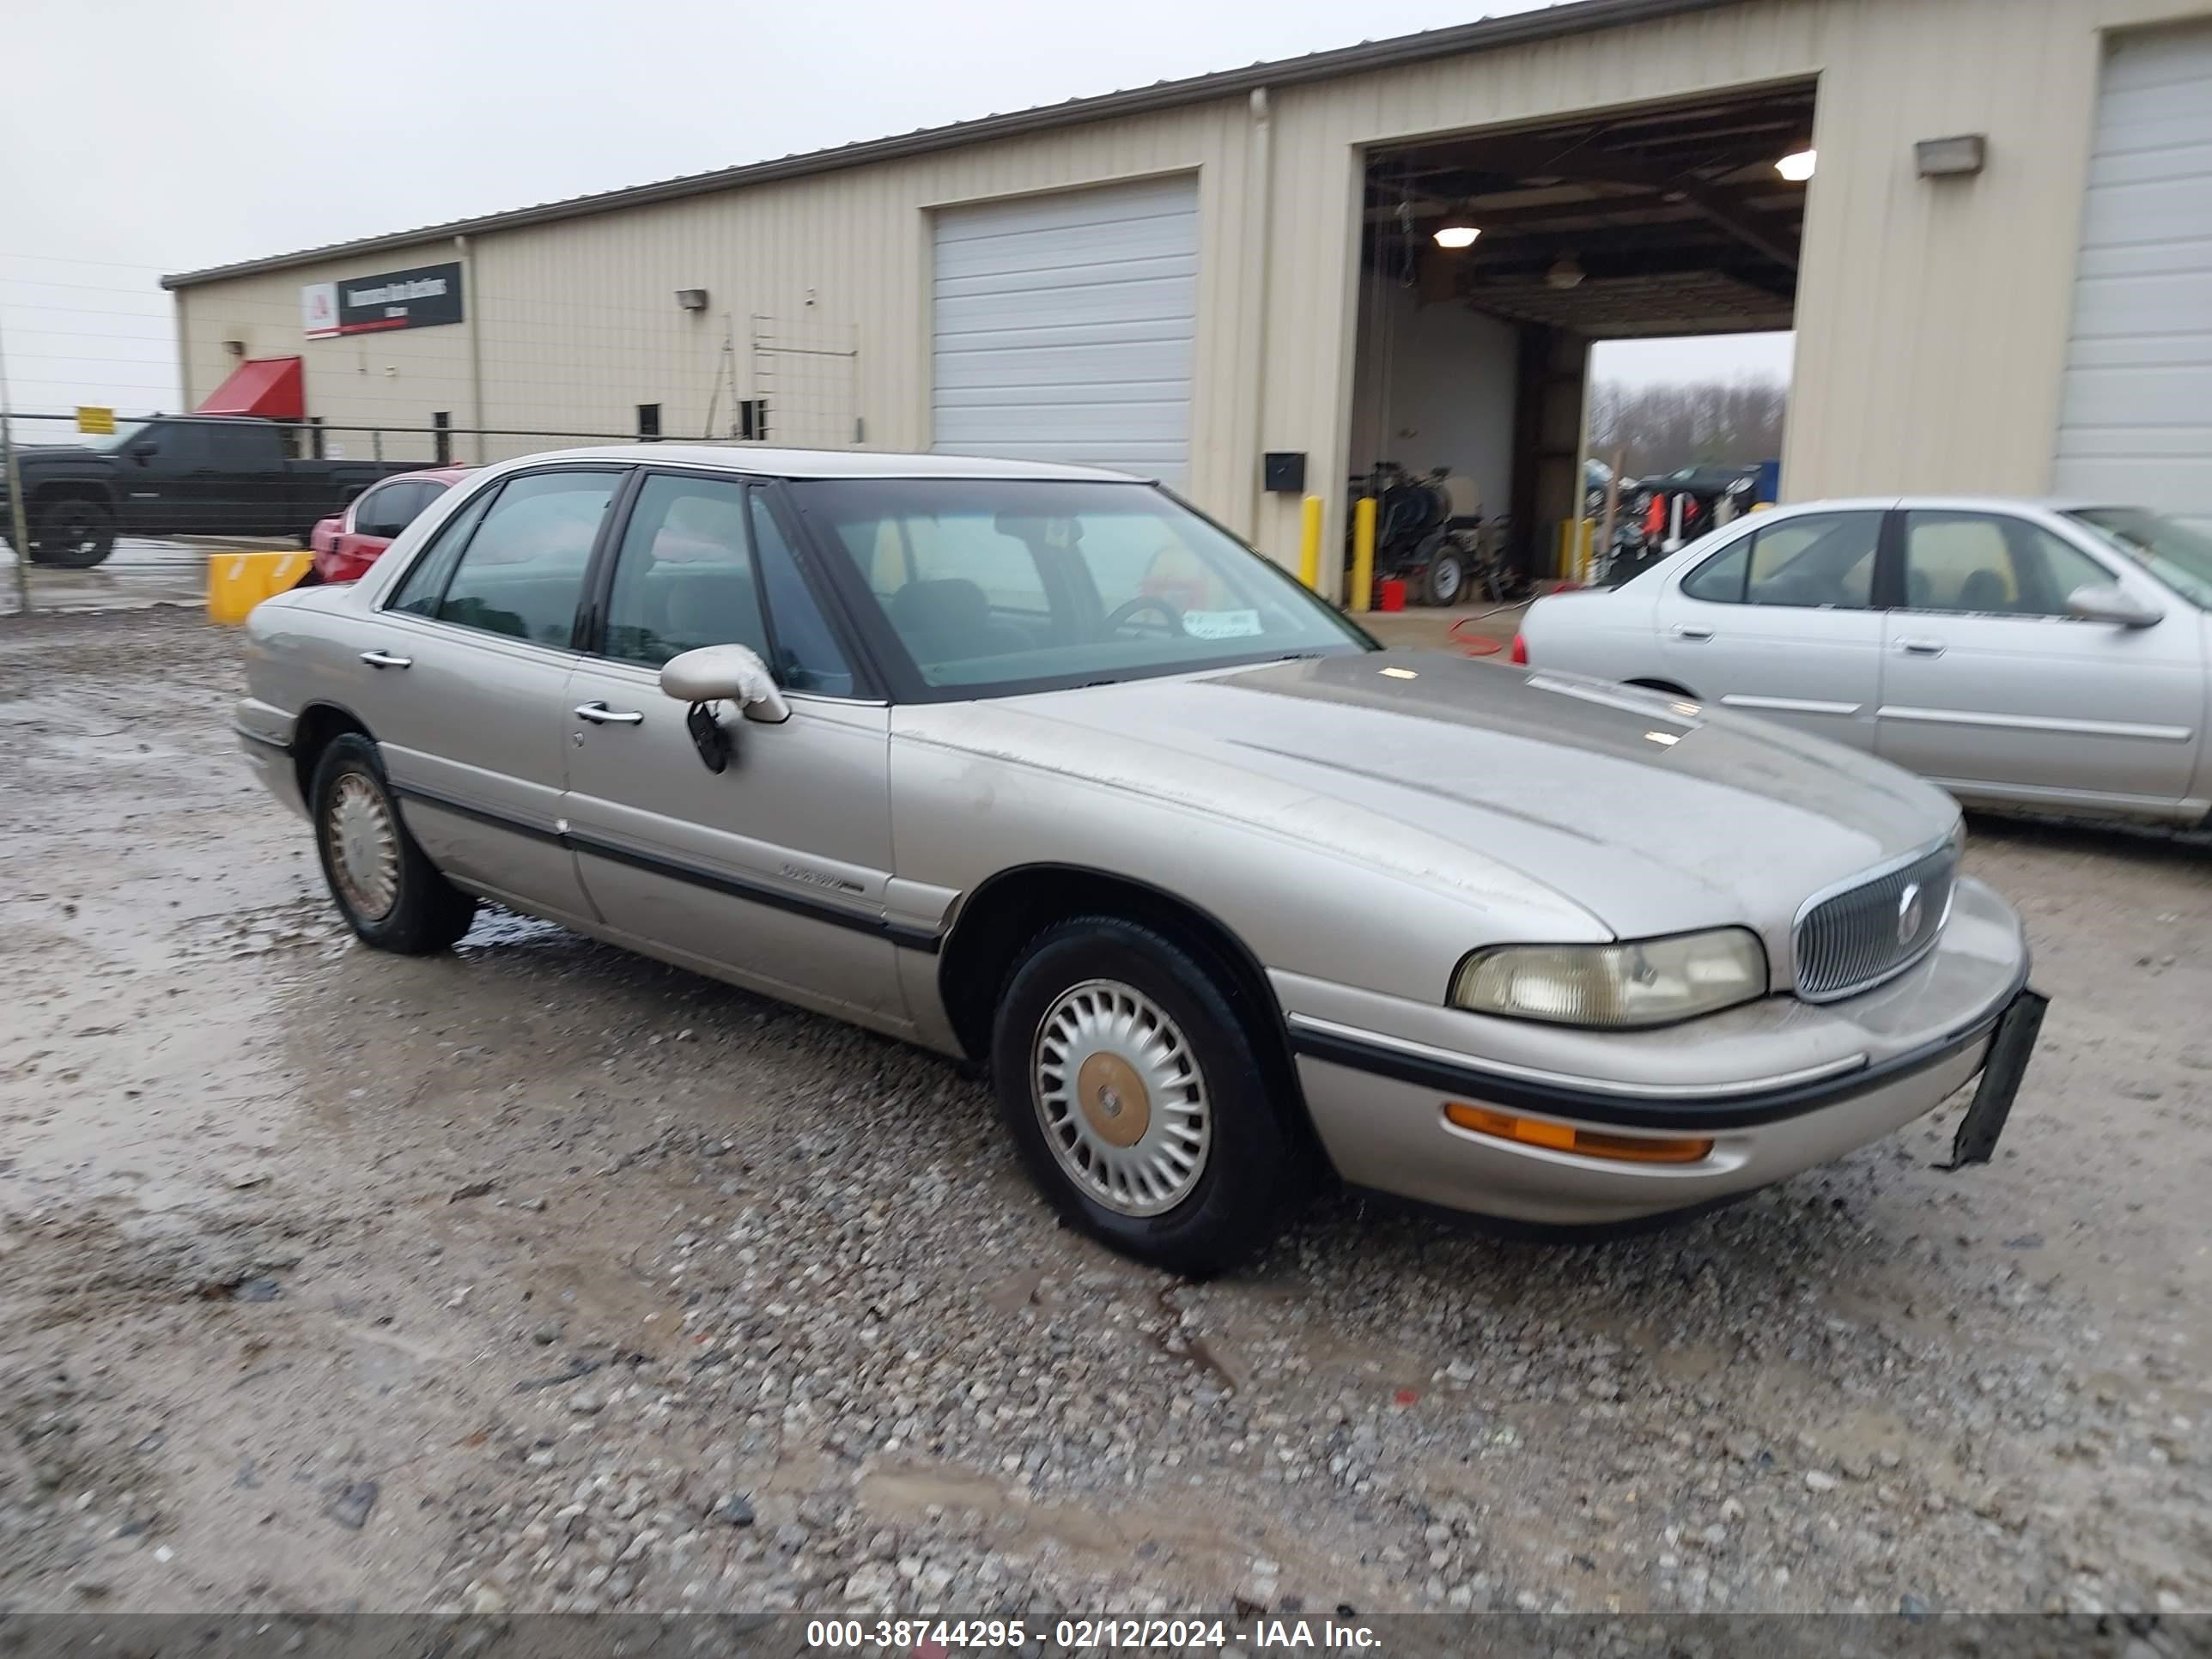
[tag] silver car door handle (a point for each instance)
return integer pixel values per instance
(1684, 631)
(1921, 647)
(386, 660)
(599, 715)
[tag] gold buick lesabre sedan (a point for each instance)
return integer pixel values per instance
(1036, 766)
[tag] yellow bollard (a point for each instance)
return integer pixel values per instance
(1309, 544)
(1362, 553)
(239, 581)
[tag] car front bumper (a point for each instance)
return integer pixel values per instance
(1778, 1086)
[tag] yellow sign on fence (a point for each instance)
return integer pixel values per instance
(90, 418)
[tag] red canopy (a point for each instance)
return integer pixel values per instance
(270, 388)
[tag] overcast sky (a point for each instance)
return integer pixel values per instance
(147, 136)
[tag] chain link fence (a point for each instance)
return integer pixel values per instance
(503, 375)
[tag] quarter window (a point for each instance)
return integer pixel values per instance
(522, 571)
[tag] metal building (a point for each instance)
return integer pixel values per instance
(1183, 279)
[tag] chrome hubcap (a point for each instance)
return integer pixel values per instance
(1120, 1097)
(364, 847)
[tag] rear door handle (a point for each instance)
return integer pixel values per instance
(386, 660)
(1684, 631)
(599, 715)
(1921, 647)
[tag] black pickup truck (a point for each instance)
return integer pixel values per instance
(177, 475)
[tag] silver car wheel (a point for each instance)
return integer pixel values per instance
(1122, 1098)
(364, 845)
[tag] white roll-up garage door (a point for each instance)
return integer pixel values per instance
(2136, 423)
(1063, 327)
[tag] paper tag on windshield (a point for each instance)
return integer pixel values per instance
(1220, 624)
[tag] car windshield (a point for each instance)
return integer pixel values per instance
(1019, 585)
(2177, 556)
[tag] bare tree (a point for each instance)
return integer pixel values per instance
(1670, 424)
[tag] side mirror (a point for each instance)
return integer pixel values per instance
(726, 673)
(2114, 604)
(142, 449)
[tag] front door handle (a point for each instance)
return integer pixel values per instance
(599, 715)
(1685, 631)
(1921, 647)
(386, 660)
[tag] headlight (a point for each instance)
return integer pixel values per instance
(1646, 983)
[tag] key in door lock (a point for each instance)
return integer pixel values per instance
(708, 737)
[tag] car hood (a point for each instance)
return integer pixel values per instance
(1651, 814)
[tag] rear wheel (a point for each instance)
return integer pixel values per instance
(387, 890)
(74, 533)
(1137, 1097)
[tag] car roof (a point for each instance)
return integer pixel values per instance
(444, 475)
(1952, 503)
(832, 463)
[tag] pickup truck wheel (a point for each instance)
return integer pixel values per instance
(1137, 1097)
(390, 893)
(74, 533)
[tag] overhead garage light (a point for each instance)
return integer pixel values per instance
(1457, 233)
(1797, 166)
(1567, 273)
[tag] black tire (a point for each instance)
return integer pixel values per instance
(74, 533)
(426, 913)
(1445, 582)
(1256, 1171)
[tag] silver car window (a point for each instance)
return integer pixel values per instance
(522, 572)
(683, 578)
(1991, 564)
(1813, 559)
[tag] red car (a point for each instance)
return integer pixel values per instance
(345, 546)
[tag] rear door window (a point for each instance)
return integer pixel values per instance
(1820, 560)
(522, 571)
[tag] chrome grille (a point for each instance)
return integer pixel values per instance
(1847, 941)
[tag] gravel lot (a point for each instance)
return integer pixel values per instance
(543, 1276)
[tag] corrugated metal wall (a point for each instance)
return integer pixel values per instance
(1932, 315)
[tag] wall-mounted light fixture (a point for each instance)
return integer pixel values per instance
(235, 348)
(1961, 156)
(1797, 166)
(691, 299)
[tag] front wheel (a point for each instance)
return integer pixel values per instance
(73, 533)
(390, 893)
(1137, 1096)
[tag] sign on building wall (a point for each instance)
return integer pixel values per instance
(422, 298)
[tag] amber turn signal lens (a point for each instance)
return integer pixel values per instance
(1565, 1137)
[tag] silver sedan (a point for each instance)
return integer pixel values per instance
(2022, 654)
(1035, 766)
